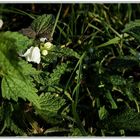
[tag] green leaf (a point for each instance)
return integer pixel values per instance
(55, 130)
(50, 102)
(125, 86)
(57, 52)
(129, 93)
(115, 40)
(133, 28)
(69, 52)
(135, 53)
(111, 100)
(16, 86)
(127, 120)
(117, 80)
(75, 132)
(27, 69)
(14, 128)
(7, 111)
(10, 44)
(132, 24)
(15, 73)
(129, 89)
(102, 113)
(8, 59)
(56, 74)
(50, 105)
(20, 42)
(43, 24)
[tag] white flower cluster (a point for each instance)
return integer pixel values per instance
(33, 53)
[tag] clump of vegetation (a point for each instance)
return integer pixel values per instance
(69, 70)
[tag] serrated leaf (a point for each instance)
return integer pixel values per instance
(127, 120)
(50, 102)
(8, 54)
(57, 52)
(27, 68)
(20, 42)
(16, 82)
(56, 74)
(43, 25)
(14, 87)
(50, 105)
(69, 52)
(117, 80)
(10, 44)
(14, 128)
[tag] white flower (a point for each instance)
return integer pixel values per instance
(32, 55)
(43, 39)
(1, 23)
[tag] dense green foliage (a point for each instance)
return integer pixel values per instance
(87, 82)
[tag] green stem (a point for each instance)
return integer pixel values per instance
(56, 20)
(76, 92)
(77, 119)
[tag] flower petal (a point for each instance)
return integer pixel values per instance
(43, 39)
(1, 23)
(32, 55)
(28, 51)
(35, 55)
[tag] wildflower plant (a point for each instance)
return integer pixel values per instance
(26, 85)
(71, 74)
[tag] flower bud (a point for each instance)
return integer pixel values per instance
(48, 45)
(44, 52)
(79, 42)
